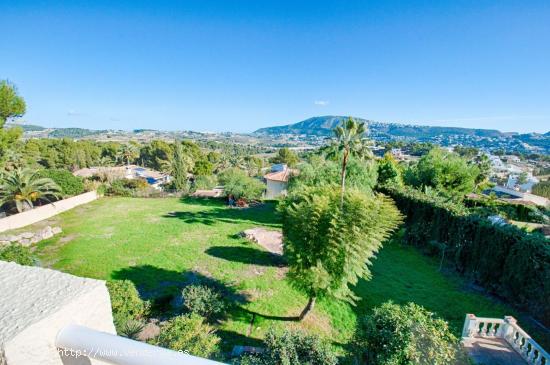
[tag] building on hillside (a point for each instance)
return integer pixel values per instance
(277, 181)
(526, 187)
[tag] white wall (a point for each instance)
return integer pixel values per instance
(275, 189)
(44, 212)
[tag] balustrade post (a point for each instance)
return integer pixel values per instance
(507, 329)
(469, 323)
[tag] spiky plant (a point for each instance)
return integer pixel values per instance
(131, 329)
(23, 187)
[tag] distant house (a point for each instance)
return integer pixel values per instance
(153, 177)
(277, 181)
(512, 183)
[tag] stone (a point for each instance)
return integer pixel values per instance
(26, 235)
(25, 242)
(56, 230)
(4, 243)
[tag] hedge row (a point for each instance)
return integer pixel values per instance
(505, 260)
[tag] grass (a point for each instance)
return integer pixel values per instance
(162, 244)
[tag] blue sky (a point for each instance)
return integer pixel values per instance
(240, 65)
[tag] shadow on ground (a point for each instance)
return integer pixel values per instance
(218, 211)
(246, 255)
(163, 288)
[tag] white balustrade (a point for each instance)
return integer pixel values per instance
(509, 330)
(76, 341)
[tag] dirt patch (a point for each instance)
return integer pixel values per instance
(270, 240)
(68, 238)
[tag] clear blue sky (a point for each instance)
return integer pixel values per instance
(240, 65)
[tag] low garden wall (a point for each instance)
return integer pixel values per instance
(46, 211)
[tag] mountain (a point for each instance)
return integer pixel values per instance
(322, 126)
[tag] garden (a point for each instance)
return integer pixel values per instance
(164, 245)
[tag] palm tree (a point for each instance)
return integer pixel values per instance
(128, 152)
(350, 141)
(24, 186)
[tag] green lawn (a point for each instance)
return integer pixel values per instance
(162, 244)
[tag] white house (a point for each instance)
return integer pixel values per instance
(277, 181)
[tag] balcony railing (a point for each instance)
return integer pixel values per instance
(76, 341)
(508, 330)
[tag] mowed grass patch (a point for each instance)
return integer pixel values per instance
(162, 244)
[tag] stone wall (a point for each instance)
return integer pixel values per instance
(44, 212)
(29, 238)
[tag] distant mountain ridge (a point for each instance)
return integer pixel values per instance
(323, 125)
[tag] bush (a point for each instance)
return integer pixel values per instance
(205, 182)
(18, 254)
(125, 302)
(118, 188)
(202, 300)
(70, 185)
(237, 183)
(189, 333)
(292, 347)
(407, 335)
(506, 260)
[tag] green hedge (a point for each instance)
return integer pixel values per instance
(507, 261)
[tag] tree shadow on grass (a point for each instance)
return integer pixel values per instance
(219, 212)
(163, 287)
(246, 255)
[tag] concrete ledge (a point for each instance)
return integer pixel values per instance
(37, 303)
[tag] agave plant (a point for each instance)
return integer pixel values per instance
(23, 187)
(131, 329)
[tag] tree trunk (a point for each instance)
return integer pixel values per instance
(343, 179)
(308, 308)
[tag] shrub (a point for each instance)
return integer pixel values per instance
(407, 335)
(125, 302)
(117, 188)
(292, 347)
(202, 300)
(205, 182)
(189, 333)
(237, 183)
(131, 329)
(18, 254)
(70, 185)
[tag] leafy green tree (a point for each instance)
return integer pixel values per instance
(155, 154)
(446, 172)
(286, 156)
(23, 187)
(179, 166)
(237, 183)
(522, 178)
(484, 167)
(329, 245)
(203, 167)
(68, 183)
(350, 141)
(11, 104)
(318, 171)
(407, 335)
(389, 172)
(542, 189)
(8, 140)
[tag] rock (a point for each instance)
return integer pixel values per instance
(25, 242)
(13, 238)
(26, 235)
(56, 230)
(4, 243)
(151, 330)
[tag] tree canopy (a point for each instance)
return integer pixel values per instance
(329, 245)
(11, 104)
